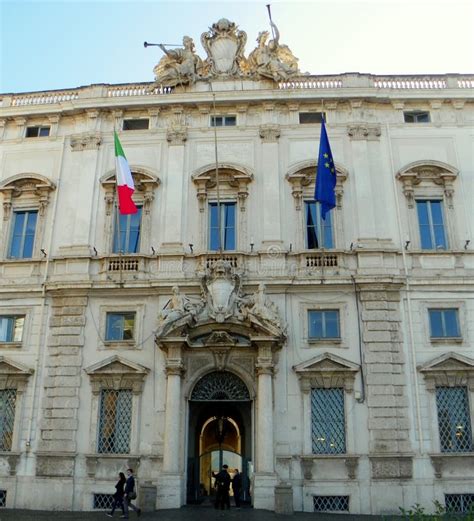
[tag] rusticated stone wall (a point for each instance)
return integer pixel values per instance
(59, 424)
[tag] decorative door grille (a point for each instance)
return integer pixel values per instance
(331, 503)
(3, 498)
(328, 429)
(459, 503)
(454, 421)
(222, 386)
(115, 421)
(7, 418)
(103, 501)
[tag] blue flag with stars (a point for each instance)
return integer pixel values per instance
(324, 191)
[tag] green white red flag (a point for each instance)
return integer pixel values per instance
(125, 186)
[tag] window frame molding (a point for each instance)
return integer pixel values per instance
(115, 373)
(14, 375)
(307, 341)
(327, 371)
(136, 342)
(234, 181)
(146, 184)
(25, 192)
(15, 312)
(429, 180)
(302, 179)
(461, 341)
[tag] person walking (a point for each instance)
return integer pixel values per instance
(118, 496)
(129, 495)
(223, 484)
(237, 487)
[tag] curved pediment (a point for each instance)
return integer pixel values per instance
(428, 170)
(229, 173)
(27, 182)
(142, 177)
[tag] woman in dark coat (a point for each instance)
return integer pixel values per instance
(118, 496)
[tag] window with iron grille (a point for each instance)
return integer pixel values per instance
(331, 503)
(11, 328)
(103, 501)
(323, 324)
(431, 225)
(328, 426)
(318, 231)
(7, 418)
(3, 498)
(127, 232)
(454, 422)
(120, 326)
(115, 421)
(444, 323)
(459, 503)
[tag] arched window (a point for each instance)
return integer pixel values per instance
(313, 232)
(129, 234)
(25, 199)
(223, 224)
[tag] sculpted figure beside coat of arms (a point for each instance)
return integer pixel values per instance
(224, 44)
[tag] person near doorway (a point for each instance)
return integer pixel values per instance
(222, 486)
(118, 496)
(237, 487)
(129, 495)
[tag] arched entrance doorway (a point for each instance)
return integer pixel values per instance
(220, 428)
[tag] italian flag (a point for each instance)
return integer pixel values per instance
(125, 186)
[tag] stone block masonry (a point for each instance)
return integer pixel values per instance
(59, 423)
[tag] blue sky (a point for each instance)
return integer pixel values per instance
(63, 44)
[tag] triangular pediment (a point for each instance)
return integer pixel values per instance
(116, 365)
(326, 362)
(10, 368)
(448, 362)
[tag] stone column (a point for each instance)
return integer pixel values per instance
(173, 191)
(264, 478)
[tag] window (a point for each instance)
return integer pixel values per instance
(11, 328)
(7, 418)
(444, 323)
(318, 231)
(459, 503)
(227, 225)
(3, 498)
(37, 131)
(454, 421)
(128, 228)
(223, 121)
(417, 116)
(311, 117)
(323, 324)
(328, 430)
(23, 234)
(135, 124)
(115, 421)
(120, 326)
(331, 503)
(431, 224)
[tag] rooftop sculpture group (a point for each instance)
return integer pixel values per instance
(224, 45)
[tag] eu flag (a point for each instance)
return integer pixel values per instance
(324, 191)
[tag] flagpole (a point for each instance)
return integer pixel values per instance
(117, 217)
(219, 220)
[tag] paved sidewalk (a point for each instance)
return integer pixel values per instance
(182, 514)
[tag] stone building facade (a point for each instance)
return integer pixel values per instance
(331, 361)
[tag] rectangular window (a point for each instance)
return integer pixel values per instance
(120, 326)
(3, 498)
(115, 421)
(136, 124)
(23, 234)
(128, 228)
(227, 226)
(7, 418)
(223, 121)
(323, 324)
(431, 223)
(454, 422)
(318, 231)
(444, 323)
(328, 426)
(311, 117)
(459, 503)
(37, 131)
(331, 503)
(417, 116)
(11, 328)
